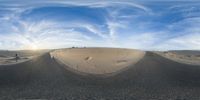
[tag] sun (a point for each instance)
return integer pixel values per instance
(31, 46)
(34, 47)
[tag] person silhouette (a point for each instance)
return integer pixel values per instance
(16, 57)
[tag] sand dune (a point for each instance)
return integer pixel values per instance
(97, 60)
(9, 58)
(151, 78)
(186, 57)
(12, 60)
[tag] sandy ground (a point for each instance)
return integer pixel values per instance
(152, 78)
(97, 60)
(8, 57)
(186, 57)
(12, 60)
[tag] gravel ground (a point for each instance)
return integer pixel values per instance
(152, 78)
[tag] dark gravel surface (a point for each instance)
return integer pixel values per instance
(152, 78)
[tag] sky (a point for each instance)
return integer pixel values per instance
(137, 24)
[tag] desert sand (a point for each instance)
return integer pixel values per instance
(12, 60)
(186, 57)
(9, 58)
(153, 77)
(97, 60)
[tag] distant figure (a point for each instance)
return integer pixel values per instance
(16, 57)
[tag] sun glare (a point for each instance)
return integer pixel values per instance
(34, 47)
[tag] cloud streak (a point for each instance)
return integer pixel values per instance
(59, 24)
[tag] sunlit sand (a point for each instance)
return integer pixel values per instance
(97, 60)
(9, 58)
(192, 59)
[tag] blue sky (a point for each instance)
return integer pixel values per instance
(144, 24)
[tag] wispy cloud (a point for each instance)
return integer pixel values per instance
(138, 24)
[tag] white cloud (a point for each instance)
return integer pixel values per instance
(158, 41)
(11, 4)
(28, 32)
(188, 41)
(144, 41)
(93, 29)
(48, 34)
(113, 29)
(44, 34)
(54, 34)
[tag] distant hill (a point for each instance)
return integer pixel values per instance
(186, 52)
